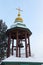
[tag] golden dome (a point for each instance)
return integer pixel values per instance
(19, 19)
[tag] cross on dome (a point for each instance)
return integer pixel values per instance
(19, 18)
(19, 10)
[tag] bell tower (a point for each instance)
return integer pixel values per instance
(20, 33)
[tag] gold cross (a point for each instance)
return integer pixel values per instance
(19, 10)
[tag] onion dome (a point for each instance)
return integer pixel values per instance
(19, 18)
(19, 21)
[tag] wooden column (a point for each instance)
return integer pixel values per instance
(26, 44)
(8, 48)
(19, 50)
(12, 45)
(29, 46)
(17, 44)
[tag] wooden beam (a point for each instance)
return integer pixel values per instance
(19, 49)
(12, 45)
(17, 44)
(26, 44)
(19, 52)
(29, 46)
(8, 48)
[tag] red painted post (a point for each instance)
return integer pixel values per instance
(26, 44)
(17, 44)
(12, 45)
(8, 48)
(29, 46)
(19, 49)
(19, 52)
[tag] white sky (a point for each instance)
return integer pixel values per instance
(33, 18)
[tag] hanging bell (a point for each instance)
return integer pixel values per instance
(14, 47)
(20, 45)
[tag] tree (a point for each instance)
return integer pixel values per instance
(3, 37)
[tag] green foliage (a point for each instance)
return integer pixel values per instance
(3, 38)
(3, 28)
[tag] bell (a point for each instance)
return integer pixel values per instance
(20, 45)
(14, 47)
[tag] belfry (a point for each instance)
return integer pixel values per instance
(20, 33)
